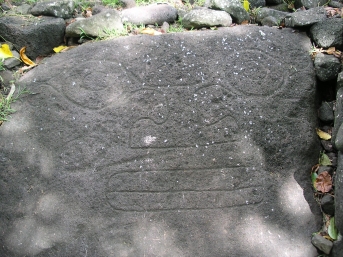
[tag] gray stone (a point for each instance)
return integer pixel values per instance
(6, 77)
(127, 3)
(23, 9)
(328, 204)
(61, 9)
(339, 83)
(338, 118)
(232, 7)
(305, 18)
(283, 7)
(181, 144)
(322, 169)
(325, 112)
(99, 25)
(9, 63)
(257, 3)
(199, 18)
(339, 138)
(309, 3)
(267, 12)
(151, 14)
(270, 21)
(322, 243)
(165, 27)
(327, 67)
(327, 145)
(338, 245)
(39, 34)
(274, 2)
(335, 4)
(328, 33)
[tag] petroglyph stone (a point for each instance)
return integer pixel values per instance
(190, 144)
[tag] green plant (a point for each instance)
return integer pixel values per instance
(83, 34)
(290, 4)
(5, 102)
(113, 33)
(253, 14)
(112, 3)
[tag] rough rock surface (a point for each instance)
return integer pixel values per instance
(23, 32)
(267, 12)
(327, 67)
(151, 14)
(309, 3)
(328, 33)
(204, 17)
(192, 154)
(101, 24)
(338, 246)
(232, 7)
(322, 243)
(305, 18)
(61, 9)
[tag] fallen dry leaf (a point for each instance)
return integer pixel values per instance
(87, 13)
(24, 58)
(150, 31)
(59, 48)
(5, 51)
(323, 135)
(323, 182)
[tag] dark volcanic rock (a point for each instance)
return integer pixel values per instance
(328, 205)
(328, 33)
(327, 67)
(61, 9)
(325, 112)
(39, 35)
(157, 146)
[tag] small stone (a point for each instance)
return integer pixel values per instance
(328, 204)
(322, 243)
(325, 168)
(327, 67)
(333, 158)
(327, 145)
(269, 21)
(165, 27)
(325, 112)
(9, 63)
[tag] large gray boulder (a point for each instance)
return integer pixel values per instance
(150, 14)
(187, 144)
(39, 34)
(233, 7)
(99, 25)
(61, 9)
(199, 18)
(328, 33)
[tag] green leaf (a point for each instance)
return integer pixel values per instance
(324, 160)
(313, 178)
(332, 230)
